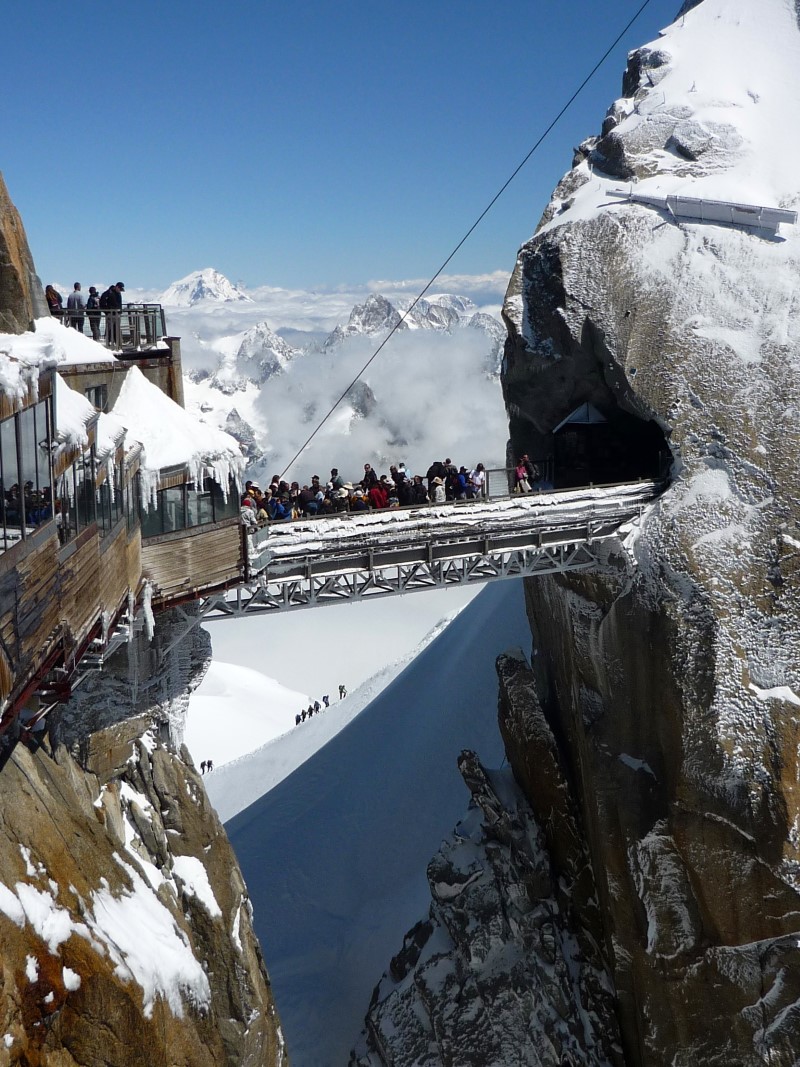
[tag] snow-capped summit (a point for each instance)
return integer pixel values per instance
(199, 286)
(377, 314)
(374, 315)
(261, 354)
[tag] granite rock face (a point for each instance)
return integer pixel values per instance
(126, 925)
(21, 294)
(496, 975)
(671, 677)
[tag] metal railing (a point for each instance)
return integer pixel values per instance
(501, 481)
(133, 328)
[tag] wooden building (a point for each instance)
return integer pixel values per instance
(85, 526)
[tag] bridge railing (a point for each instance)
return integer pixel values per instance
(134, 328)
(501, 481)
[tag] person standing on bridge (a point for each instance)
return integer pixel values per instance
(438, 494)
(531, 469)
(521, 478)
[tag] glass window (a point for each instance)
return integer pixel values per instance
(171, 502)
(66, 509)
(223, 508)
(84, 475)
(200, 508)
(12, 510)
(133, 501)
(152, 519)
(97, 395)
(44, 438)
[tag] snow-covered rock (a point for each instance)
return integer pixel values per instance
(202, 286)
(495, 976)
(652, 670)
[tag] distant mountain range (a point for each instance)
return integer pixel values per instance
(232, 353)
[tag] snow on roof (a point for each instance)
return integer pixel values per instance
(50, 344)
(110, 433)
(171, 437)
(73, 415)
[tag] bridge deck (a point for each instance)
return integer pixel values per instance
(360, 556)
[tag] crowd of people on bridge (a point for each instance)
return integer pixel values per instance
(399, 488)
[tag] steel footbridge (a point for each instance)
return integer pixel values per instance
(364, 556)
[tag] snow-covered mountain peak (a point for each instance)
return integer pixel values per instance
(260, 354)
(378, 314)
(201, 286)
(704, 114)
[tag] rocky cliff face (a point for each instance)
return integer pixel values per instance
(656, 738)
(126, 925)
(21, 293)
(503, 972)
(670, 679)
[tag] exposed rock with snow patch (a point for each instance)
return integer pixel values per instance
(495, 977)
(126, 925)
(671, 677)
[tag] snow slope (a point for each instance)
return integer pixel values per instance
(234, 710)
(335, 855)
(272, 746)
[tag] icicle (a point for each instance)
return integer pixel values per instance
(147, 610)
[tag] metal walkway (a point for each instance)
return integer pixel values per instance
(308, 563)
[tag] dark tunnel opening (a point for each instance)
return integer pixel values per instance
(592, 446)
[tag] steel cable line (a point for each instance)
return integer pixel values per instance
(467, 235)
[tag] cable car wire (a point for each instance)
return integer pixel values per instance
(467, 235)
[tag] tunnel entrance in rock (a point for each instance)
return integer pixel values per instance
(592, 446)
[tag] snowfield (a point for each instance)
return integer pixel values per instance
(335, 855)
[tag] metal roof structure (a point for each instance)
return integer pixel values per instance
(714, 211)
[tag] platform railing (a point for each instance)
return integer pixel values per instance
(133, 328)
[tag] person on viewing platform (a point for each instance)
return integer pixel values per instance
(531, 469)
(437, 491)
(111, 303)
(522, 485)
(478, 480)
(93, 312)
(436, 470)
(75, 307)
(419, 494)
(54, 301)
(337, 481)
(370, 477)
(278, 510)
(248, 512)
(378, 497)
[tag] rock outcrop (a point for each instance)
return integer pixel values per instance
(670, 677)
(21, 294)
(126, 924)
(495, 976)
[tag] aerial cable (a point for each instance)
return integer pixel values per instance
(468, 234)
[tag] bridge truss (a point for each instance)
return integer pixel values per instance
(365, 557)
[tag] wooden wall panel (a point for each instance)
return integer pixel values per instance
(199, 561)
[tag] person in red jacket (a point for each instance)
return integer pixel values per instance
(378, 497)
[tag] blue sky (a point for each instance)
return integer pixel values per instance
(304, 144)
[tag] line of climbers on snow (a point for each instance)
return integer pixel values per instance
(316, 707)
(374, 492)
